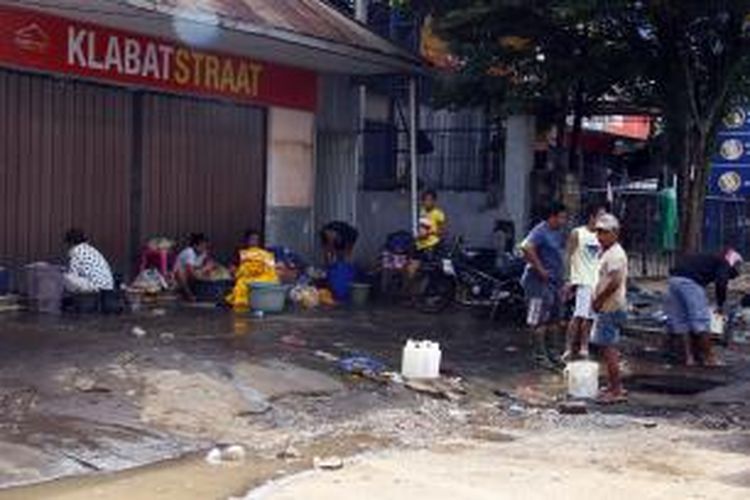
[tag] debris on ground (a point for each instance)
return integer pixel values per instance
(573, 408)
(293, 341)
(138, 332)
(87, 383)
(167, 337)
(224, 454)
(328, 463)
(360, 364)
(290, 453)
(327, 356)
(443, 388)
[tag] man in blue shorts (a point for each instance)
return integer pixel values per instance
(687, 309)
(610, 304)
(543, 281)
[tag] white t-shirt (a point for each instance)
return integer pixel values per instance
(584, 262)
(613, 260)
(189, 257)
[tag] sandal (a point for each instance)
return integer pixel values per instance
(608, 398)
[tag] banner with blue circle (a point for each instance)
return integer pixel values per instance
(730, 166)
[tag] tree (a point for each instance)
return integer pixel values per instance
(695, 57)
(545, 57)
(687, 58)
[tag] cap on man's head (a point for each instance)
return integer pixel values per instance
(608, 222)
(733, 258)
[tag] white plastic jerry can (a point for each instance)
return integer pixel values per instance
(421, 359)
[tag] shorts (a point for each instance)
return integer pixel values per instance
(544, 306)
(687, 307)
(608, 328)
(584, 297)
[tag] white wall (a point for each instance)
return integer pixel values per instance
(291, 179)
(382, 212)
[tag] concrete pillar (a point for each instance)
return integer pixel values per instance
(519, 161)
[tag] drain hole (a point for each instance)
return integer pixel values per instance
(671, 384)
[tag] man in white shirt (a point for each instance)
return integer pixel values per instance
(190, 263)
(88, 270)
(582, 258)
(610, 304)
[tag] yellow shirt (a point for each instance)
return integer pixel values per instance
(437, 221)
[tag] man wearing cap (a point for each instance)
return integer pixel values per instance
(687, 308)
(610, 303)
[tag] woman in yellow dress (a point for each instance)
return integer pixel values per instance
(256, 265)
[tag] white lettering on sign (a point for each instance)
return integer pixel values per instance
(75, 47)
(147, 59)
(113, 60)
(151, 62)
(132, 57)
(93, 62)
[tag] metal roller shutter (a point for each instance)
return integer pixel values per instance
(203, 169)
(65, 156)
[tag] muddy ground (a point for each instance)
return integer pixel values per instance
(83, 398)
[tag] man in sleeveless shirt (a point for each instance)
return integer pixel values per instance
(582, 259)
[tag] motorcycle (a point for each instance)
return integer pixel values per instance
(458, 277)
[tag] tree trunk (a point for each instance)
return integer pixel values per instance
(574, 165)
(693, 177)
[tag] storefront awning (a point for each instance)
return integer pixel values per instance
(302, 33)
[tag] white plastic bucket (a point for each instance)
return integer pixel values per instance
(582, 379)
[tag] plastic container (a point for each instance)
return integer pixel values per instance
(268, 298)
(4, 281)
(421, 359)
(45, 287)
(582, 379)
(83, 303)
(211, 291)
(361, 294)
(718, 323)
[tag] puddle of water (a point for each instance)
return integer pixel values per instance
(192, 478)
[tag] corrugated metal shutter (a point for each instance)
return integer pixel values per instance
(203, 169)
(65, 156)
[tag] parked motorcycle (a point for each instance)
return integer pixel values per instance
(463, 276)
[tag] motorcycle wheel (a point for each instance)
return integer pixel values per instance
(434, 293)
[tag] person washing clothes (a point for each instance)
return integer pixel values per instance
(88, 270)
(687, 307)
(255, 265)
(192, 264)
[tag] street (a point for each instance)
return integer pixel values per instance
(87, 397)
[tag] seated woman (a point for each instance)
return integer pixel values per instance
(255, 265)
(191, 264)
(88, 270)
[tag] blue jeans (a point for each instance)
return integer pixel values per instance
(687, 307)
(608, 328)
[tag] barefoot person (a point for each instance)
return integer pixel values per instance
(542, 281)
(610, 303)
(583, 268)
(688, 312)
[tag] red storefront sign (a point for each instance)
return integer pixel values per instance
(55, 44)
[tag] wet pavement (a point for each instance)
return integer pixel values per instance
(82, 395)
